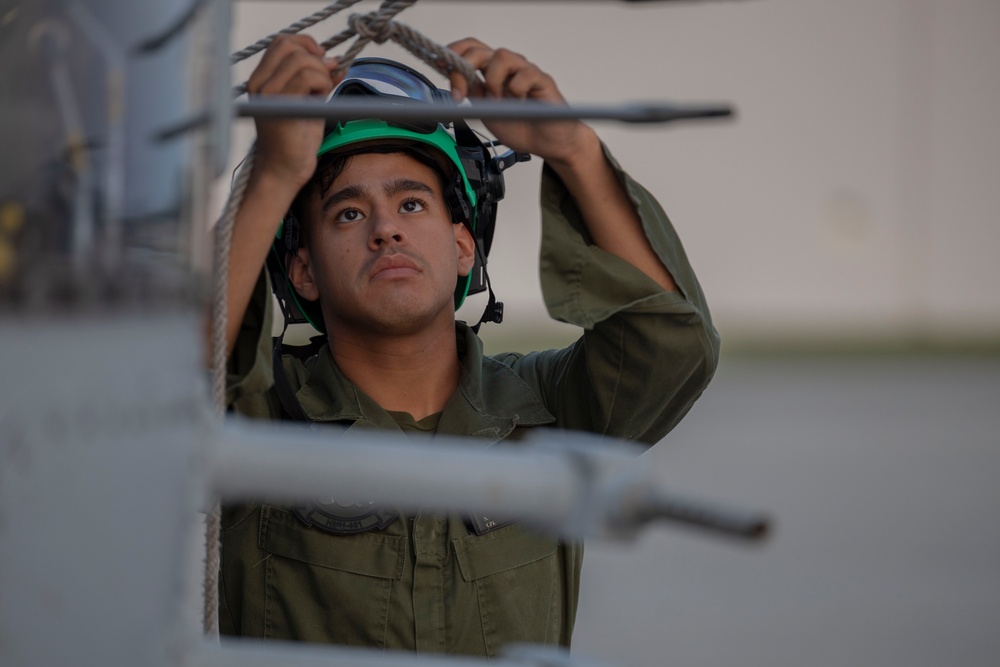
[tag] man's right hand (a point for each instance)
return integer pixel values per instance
(286, 148)
(285, 161)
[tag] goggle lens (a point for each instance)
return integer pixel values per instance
(375, 77)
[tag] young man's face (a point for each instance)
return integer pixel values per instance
(383, 255)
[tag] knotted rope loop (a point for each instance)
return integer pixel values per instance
(374, 25)
(370, 28)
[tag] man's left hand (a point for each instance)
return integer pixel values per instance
(509, 75)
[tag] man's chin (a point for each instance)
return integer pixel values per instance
(405, 316)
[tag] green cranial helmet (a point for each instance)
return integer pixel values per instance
(472, 174)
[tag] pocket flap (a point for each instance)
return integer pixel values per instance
(504, 549)
(371, 554)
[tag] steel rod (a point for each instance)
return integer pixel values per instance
(546, 2)
(660, 506)
(233, 652)
(567, 483)
(358, 108)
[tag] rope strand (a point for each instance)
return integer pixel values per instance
(213, 521)
(294, 28)
(378, 27)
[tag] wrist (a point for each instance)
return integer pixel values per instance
(277, 183)
(580, 154)
(269, 196)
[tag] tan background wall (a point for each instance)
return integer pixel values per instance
(855, 195)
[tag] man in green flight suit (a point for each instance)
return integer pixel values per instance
(387, 220)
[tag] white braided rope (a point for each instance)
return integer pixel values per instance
(378, 19)
(220, 319)
(213, 561)
(442, 59)
(298, 26)
(377, 27)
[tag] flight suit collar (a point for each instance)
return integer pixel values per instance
(489, 403)
(491, 399)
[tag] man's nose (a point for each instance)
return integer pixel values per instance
(386, 228)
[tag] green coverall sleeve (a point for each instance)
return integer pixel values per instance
(249, 375)
(646, 354)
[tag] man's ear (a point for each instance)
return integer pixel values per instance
(300, 273)
(465, 245)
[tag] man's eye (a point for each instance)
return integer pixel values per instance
(411, 206)
(349, 215)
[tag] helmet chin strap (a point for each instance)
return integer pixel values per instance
(494, 309)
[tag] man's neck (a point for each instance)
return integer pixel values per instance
(413, 373)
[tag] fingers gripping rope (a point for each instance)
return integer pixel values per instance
(377, 27)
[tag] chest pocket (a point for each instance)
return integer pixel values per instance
(327, 588)
(519, 585)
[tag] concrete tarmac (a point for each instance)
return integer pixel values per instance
(883, 478)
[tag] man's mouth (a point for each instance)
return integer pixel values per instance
(393, 266)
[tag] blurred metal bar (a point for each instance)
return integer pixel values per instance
(577, 2)
(354, 109)
(231, 652)
(657, 505)
(255, 460)
(573, 484)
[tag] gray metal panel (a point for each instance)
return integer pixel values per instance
(99, 470)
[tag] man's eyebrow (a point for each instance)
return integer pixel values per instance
(350, 192)
(393, 187)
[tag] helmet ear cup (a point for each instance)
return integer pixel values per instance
(458, 205)
(493, 190)
(295, 309)
(290, 232)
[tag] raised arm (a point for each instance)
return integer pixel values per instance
(285, 161)
(571, 148)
